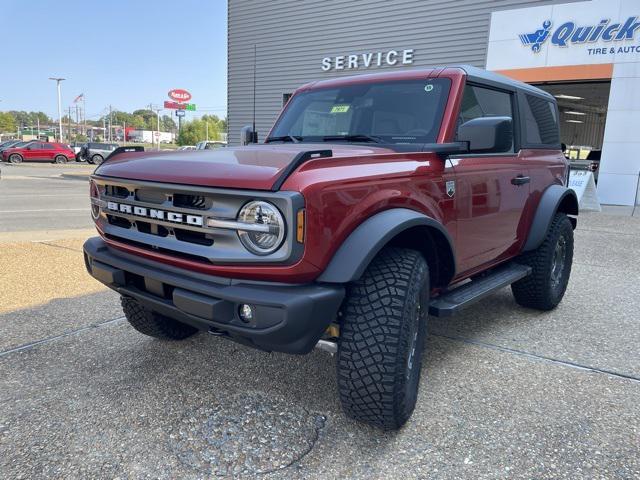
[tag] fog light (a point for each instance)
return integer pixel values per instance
(245, 312)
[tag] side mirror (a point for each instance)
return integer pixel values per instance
(247, 135)
(487, 134)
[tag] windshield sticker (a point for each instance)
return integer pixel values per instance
(428, 87)
(340, 109)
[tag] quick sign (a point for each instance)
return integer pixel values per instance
(570, 33)
(367, 60)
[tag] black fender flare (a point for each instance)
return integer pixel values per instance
(555, 198)
(363, 244)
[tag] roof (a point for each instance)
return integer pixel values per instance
(486, 76)
(473, 73)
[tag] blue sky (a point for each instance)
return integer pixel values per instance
(126, 53)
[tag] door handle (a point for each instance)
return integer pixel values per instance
(520, 180)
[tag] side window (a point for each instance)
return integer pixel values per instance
(541, 122)
(285, 98)
(485, 102)
(48, 146)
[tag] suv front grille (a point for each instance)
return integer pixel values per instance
(191, 201)
(116, 191)
(188, 221)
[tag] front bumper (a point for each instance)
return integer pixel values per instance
(287, 318)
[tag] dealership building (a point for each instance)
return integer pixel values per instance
(585, 53)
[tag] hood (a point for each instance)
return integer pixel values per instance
(255, 167)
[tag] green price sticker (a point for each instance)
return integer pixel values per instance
(340, 109)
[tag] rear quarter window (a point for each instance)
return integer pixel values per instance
(541, 122)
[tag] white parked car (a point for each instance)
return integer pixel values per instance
(210, 145)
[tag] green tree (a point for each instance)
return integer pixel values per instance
(29, 119)
(167, 124)
(7, 122)
(148, 117)
(196, 130)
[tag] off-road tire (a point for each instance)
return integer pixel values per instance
(382, 335)
(96, 159)
(60, 159)
(153, 324)
(539, 290)
(15, 158)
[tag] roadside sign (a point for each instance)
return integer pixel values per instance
(179, 95)
(180, 113)
(157, 134)
(180, 106)
(581, 181)
(174, 105)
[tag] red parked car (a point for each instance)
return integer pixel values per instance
(39, 152)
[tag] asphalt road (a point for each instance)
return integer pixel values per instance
(506, 392)
(44, 197)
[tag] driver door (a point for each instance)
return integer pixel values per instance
(492, 189)
(33, 151)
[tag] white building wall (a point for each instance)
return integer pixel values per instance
(620, 164)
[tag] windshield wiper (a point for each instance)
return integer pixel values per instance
(356, 137)
(284, 138)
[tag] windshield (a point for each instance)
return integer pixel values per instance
(21, 144)
(387, 112)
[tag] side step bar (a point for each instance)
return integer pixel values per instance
(452, 301)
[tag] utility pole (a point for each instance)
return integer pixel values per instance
(104, 129)
(124, 132)
(84, 114)
(58, 80)
(69, 125)
(157, 110)
(77, 121)
(110, 123)
(158, 115)
(38, 134)
(206, 127)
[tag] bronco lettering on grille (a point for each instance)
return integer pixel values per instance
(152, 213)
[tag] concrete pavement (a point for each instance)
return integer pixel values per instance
(506, 392)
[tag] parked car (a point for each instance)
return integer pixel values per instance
(376, 200)
(95, 153)
(187, 147)
(39, 152)
(210, 145)
(591, 163)
(10, 143)
(77, 148)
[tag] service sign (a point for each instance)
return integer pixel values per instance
(366, 60)
(179, 95)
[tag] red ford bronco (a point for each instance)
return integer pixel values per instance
(375, 201)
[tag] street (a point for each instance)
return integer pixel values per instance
(506, 392)
(40, 196)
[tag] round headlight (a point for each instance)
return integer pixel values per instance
(94, 193)
(268, 227)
